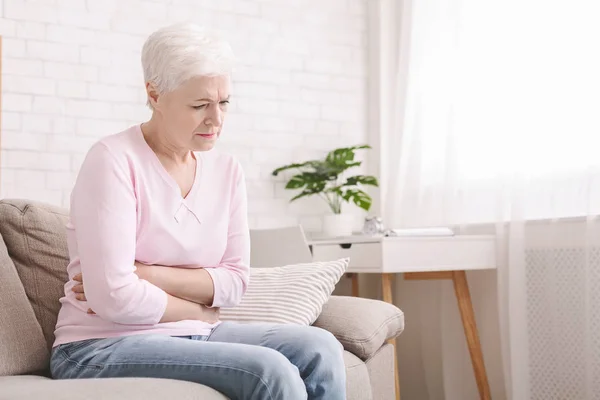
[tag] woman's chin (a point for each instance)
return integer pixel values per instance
(203, 144)
(204, 147)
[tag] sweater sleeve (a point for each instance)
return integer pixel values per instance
(103, 214)
(231, 276)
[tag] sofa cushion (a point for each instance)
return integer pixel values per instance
(361, 325)
(35, 236)
(35, 387)
(22, 346)
(290, 294)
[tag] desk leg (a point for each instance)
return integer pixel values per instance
(386, 285)
(354, 278)
(463, 296)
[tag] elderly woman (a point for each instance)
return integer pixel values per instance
(158, 241)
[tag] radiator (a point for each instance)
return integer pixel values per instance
(563, 310)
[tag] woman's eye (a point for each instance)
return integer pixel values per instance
(223, 103)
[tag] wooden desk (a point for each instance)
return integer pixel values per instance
(435, 257)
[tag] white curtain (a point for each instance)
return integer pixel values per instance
(490, 120)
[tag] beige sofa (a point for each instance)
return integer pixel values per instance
(33, 257)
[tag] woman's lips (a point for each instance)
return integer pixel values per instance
(207, 135)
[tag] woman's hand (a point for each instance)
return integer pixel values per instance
(210, 315)
(80, 293)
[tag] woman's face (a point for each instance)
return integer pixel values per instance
(192, 115)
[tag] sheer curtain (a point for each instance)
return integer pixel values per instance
(490, 122)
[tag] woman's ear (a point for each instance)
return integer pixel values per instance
(152, 94)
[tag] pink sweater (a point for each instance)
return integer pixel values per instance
(125, 207)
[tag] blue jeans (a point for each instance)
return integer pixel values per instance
(242, 361)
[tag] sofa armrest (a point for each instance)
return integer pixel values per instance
(361, 325)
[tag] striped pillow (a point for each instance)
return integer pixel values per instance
(292, 294)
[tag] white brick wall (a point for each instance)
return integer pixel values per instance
(71, 75)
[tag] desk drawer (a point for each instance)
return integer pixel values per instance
(364, 257)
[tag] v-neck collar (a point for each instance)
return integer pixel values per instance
(188, 200)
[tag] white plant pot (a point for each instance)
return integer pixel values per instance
(336, 225)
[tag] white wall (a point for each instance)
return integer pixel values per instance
(71, 74)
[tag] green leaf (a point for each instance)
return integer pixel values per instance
(358, 197)
(343, 158)
(362, 179)
(337, 190)
(296, 182)
(344, 154)
(315, 186)
(360, 146)
(302, 194)
(311, 163)
(348, 194)
(311, 180)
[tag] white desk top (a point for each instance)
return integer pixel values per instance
(354, 239)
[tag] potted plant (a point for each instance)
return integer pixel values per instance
(323, 178)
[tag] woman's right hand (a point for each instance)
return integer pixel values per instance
(79, 291)
(180, 309)
(209, 314)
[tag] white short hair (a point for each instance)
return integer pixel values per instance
(176, 53)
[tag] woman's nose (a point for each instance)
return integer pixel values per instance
(215, 116)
